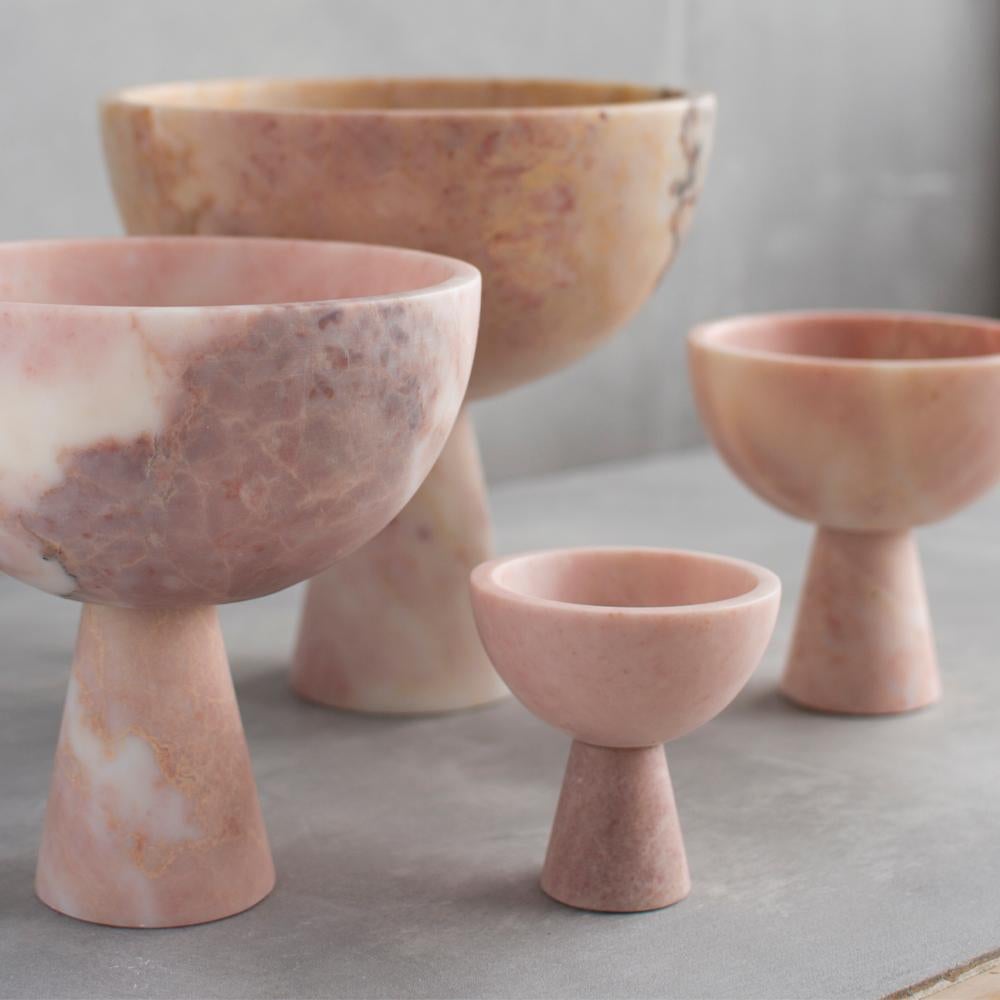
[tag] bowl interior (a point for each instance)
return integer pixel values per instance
(626, 578)
(874, 337)
(211, 271)
(391, 94)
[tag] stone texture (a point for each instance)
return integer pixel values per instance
(185, 422)
(866, 424)
(863, 642)
(623, 649)
(154, 456)
(415, 872)
(418, 650)
(571, 197)
(616, 841)
(152, 818)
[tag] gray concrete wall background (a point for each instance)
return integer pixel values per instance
(856, 159)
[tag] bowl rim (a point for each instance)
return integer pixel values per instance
(144, 96)
(463, 274)
(768, 585)
(705, 337)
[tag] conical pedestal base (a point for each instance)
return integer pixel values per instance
(390, 628)
(152, 818)
(616, 842)
(863, 643)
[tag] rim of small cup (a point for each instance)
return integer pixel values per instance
(707, 336)
(484, 579)
(145, 96)
(463, 273)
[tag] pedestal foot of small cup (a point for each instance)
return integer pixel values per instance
(390, 628)
(152, 818)
(863, 642)
(616, 841)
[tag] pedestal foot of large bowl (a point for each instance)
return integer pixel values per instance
(616, 841)
(863, 642)
(152, 818)
(390, 628)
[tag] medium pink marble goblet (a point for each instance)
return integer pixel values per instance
(186, 422)
(867, 424)
(623, 649)
(572, 197)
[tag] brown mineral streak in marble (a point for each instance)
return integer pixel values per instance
(291, 434)
(152, 817)
(571, 208)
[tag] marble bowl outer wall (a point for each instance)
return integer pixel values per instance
(572, 198)
(165, 457)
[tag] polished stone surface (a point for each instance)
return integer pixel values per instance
(571, 197)
(866, 424)
(830, 857)
(191, 422)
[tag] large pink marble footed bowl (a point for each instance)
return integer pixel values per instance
(622, 649)
(572, 197)
(866, 424)
(185, 422)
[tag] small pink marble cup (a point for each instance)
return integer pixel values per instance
(187, 422)
(866, 424)
(624, 650)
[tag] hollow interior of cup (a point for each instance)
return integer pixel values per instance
(875, 337)
(625, 578)
(210, 271)
(392, 94)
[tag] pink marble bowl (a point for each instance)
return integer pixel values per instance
(865, 422)
(201, 420)
(571, 196)
(624, 647)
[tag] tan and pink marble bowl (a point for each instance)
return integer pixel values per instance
(195, 421)
(622, 649)
(571, 196)
(866, 424)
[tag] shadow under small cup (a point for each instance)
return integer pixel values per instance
(866, 424)
(624, 650)
(571, 196)
(183, 423)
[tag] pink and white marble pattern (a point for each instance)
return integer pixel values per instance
(200, 421)
(185, 422)
(622, 649)
(152, 818)
(571, 196)
(409, 586)
(867, 424)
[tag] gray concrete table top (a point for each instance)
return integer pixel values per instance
(831, 857)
